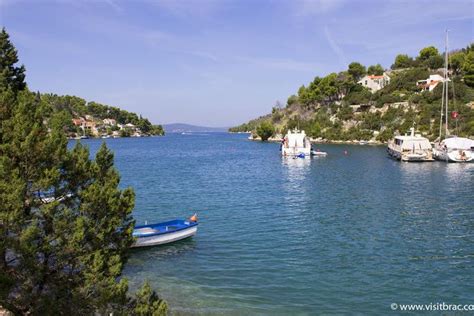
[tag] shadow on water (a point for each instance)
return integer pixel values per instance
(174, 249)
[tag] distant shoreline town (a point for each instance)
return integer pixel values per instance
(82, 119)
(88, 126)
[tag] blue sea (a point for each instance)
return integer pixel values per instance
(345, 234)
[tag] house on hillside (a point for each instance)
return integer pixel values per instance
(375, 83)
(78, 121)
(91, 127)
(87, 126)
(109, 122)
(430, 83)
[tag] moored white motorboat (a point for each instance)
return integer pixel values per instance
(454, 149)
(296, 144)
(411, 147)
(164, 233)
(318, 153)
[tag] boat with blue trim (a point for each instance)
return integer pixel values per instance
(164, 233)
(296, 144)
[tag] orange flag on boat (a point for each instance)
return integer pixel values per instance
(194, 218)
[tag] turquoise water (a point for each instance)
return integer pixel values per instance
(345, 234)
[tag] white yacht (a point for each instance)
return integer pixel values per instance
(454, 149)
(411, 147)
(296, 144)
(448, 147)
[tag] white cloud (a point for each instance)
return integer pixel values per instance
(335, 47)
(280, 63)
(114, 5)
(204, 55)
(151, 37)
(312, 7)
(188, 8)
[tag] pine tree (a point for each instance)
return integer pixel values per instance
(65, 226)
(469, 69)
(356, 70)
(265, 130)
(376, 70)
(10, 75)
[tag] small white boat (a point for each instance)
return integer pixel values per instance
(318, 153)
(49, 199)
(454, 149)
(410, 148)
(296, 144)
(164, 233)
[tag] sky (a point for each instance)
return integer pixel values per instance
(215, 62)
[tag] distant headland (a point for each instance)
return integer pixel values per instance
(188, 128)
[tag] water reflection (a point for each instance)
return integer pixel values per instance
(295, 186)
(431, 199)
(296, 170)
(161, 252)
(452, 176)
(297, 167)
(458, 172)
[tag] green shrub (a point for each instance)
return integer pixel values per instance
(265, 130)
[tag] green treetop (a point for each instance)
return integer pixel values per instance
(265, 130)
(11, 76)
(469, 69)
(428, 52)
(402, 61)
(456, 62)
(375, 70)
(356, 70)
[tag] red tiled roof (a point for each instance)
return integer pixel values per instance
(375, 77)
(76, 121)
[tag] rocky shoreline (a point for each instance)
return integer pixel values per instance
(278, 138)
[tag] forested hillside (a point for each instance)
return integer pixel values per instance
(340, 107)
(94, 113)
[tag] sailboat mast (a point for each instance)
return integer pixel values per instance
(446, 81)
(441, 114)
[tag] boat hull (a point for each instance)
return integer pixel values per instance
(409, 157)
(454, 156)
(162, 239)
(163, 233)
(318, 153)
(300, 152)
